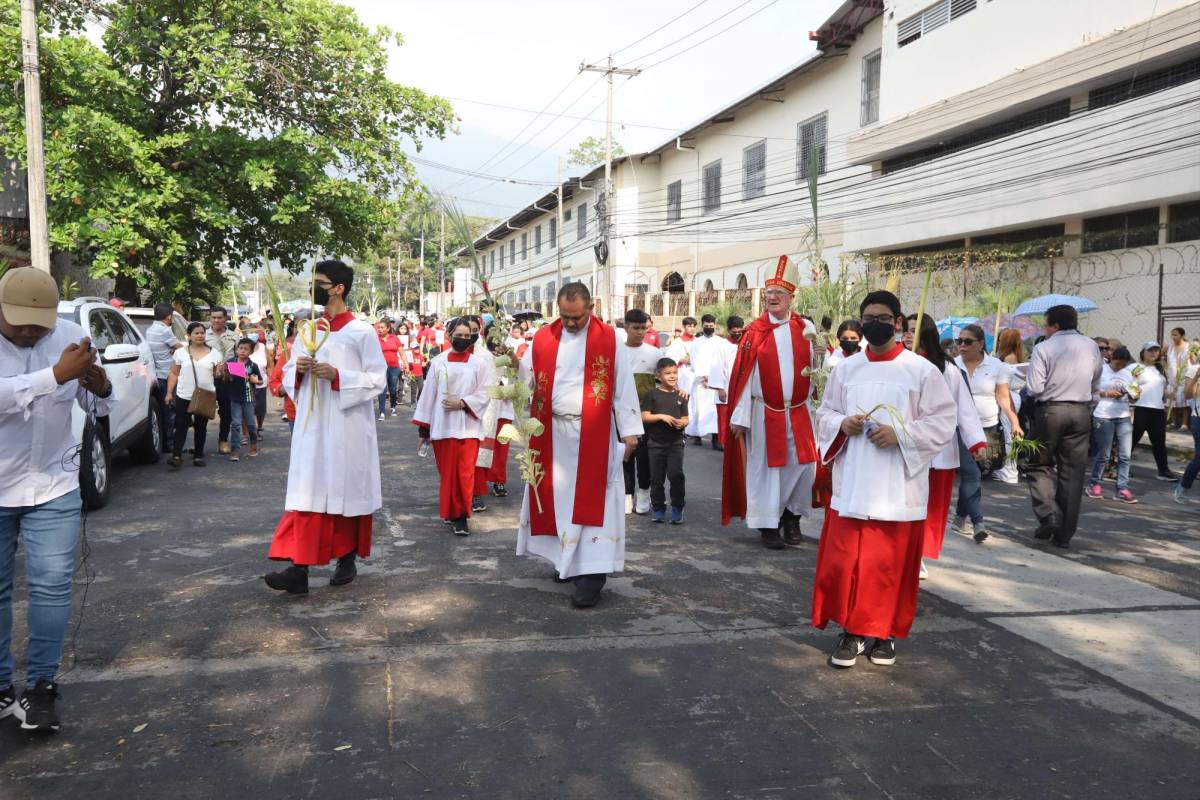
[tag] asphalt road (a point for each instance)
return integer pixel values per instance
(453, 669)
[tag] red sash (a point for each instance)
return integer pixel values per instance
(757, 343)
(591, 476)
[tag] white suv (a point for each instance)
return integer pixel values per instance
(136, 420)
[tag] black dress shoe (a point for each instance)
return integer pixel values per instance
(293, 580)
(585, 596)
(791, 531)
(771, 539)
(1065, 544)
(346, 570)
(1045, 532)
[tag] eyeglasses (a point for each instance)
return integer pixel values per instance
(324, 284)
(965, 342)
(886, 319)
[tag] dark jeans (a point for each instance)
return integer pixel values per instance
(637, 468)
(415, 385)
(1056, 472)
(666, 462)
(392, 390)
(1154, 422)
(260, 406)
(1193, 467)
(183, 421)
(970, 486)
(168, 410)
(224, 411)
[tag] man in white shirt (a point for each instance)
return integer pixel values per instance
(163, 344)
(46, 366)
(643, 360)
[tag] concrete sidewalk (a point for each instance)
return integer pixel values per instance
(453, 669)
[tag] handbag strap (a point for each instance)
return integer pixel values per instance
(195, 377)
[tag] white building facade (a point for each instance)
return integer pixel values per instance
(936, 127)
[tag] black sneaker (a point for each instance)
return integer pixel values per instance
(791, 531)
(1168, 476)
(36, 707)
(849, 648)
(293, 580)
(174, 463)
(478, 505)
(8, 703)
(346, 570)
(883, 652)
(771, 539)
(500, 490)
(461, 528)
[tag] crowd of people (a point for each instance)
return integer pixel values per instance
(605, 414)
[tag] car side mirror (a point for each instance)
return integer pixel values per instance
(120, 354)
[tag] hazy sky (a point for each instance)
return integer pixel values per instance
(522, 53)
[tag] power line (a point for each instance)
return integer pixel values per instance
(692, 33)
(713, 36)
(666, 24)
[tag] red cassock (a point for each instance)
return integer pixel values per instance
(890, 552)
(456, 468)
(941, 486)
(498, 472)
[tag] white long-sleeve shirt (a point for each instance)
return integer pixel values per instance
(35, 420)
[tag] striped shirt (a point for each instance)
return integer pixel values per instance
(163, 344)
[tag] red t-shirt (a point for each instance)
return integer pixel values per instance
(417, 362)
(391, 349)
(651, 337)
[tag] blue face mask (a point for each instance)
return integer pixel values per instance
(252, 337)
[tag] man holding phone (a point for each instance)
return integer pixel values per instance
(46, 365)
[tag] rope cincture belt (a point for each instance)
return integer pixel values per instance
(568, 417)
(786, 406)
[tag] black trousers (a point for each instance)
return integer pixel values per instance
(637, 468)
(183, 421)
(224, 411)
(666, 463)
(1056, 472)
(1154, 422)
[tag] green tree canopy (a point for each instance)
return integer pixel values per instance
(590, 152)
(202, 134)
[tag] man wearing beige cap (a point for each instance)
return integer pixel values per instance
(46, 365)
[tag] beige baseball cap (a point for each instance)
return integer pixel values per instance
(29, 296)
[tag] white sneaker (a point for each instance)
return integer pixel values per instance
(924, 570)
(382, 417)
(628, 504)
(641, 502)
(1181, 495)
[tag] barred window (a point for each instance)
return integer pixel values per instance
(754, 171)
(810, 143)
(674, 202)
(712, 187)
(581, 222)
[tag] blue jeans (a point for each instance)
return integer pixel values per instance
(393, 389)
(242, 414)
(1193, 467)
(51, 533)
(1103, 431)
(970, 486)
(168, 410)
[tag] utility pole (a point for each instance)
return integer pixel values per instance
(442, 265)
(604, 219)
(39, 233)
(421, 276)
(558, 225)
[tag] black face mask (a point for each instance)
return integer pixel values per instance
(463, 345)
(735, 336)
(849, 346)
(879, 333)
(709, 331)
(321, 296)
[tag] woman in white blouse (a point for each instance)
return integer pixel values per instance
(1149, 407)
(194, 365)
(1111, 421)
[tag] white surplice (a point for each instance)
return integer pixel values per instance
(770, 490)
(580, 549)
(466, 380)
(334, 467)
(681, 352)
(702, 405)
(722, 366)
(969, 427)
(885, 483)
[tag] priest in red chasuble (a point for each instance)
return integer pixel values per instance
(771, 464)
(584, 396)
(333, 476)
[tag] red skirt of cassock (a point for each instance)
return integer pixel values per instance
(867, 575)
(941, 486)
(456, 468)
(314, 538)
(498, 473)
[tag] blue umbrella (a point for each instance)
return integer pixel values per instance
(1040, 305)
(950, 327)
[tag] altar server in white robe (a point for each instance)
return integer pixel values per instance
(585, 398)
(702, 406)
(680, 351)
(885, 415)
(722, 370)
(450, 414)
(333, 475)
(769, 473)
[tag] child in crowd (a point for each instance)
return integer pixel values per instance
(665, 415)
(245, 377)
